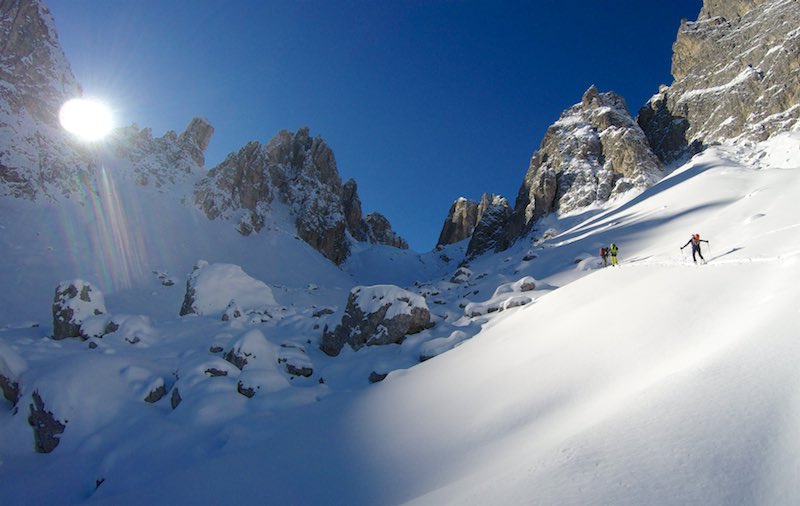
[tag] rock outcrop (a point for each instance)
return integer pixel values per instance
(297, 171)
(164, 160)
(593, 152)
(353, 215)
(494, 213)
(376, 315)
(735, 75)
(379, 231)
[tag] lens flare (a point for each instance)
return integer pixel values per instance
(89, 120)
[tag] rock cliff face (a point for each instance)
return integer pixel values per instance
(735, 72)
(460, 222)
(380, 232)
(300, 172)
(36, 156)
(494, 213)
(593, 152)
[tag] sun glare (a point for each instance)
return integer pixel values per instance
(87, 119)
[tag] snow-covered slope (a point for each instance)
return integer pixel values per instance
(658, 382)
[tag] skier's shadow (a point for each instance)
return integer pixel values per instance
(734, 250)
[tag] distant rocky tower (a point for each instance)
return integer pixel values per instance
(737, 74)
(482, 222)
(298, 171)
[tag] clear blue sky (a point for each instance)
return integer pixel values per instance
(422, 101)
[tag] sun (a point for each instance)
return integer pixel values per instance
(89, 120)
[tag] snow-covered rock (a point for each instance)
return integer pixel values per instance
(505, 296)
(74, 302)
(375, 315)
(593, 152)
(213, 288)
(12, 365)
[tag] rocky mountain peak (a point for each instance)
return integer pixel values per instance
(31, 58)
(735, 72)
(300, 172)
(593, 152)
(36, 156)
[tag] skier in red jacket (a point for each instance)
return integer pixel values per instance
(695, 242)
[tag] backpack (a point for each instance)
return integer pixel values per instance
(696, 237)
(603, 252)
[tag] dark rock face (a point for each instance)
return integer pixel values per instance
(47, 429)
(667, 133)
(236, 357)
(354, 217)
(735, 72)
(494, 214)
(245, 390)
(75, 301)
(156, 394)
(175, 398)
(376, 377)
(294, 370)
(460, 222)
(300, 172)
(377, 315)
(10, 389)
(380, 232)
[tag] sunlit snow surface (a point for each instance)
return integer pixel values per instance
(657, 382)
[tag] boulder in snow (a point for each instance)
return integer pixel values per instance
(11, 368)
(211, 288)
(74, 302)
(47, 429)
(381, 314)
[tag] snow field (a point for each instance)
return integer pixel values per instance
(656, 382)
